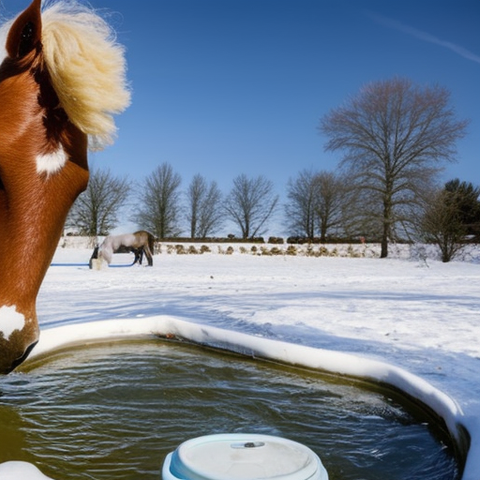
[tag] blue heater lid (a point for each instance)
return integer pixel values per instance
(242, 457)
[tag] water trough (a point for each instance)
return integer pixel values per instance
(417, 389)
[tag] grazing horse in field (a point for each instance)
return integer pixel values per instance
(141, 242)
(61, 81)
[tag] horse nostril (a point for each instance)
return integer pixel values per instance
(21, 359)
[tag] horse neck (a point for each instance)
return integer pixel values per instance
(31, 223)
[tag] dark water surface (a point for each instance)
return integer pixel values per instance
(113, 411)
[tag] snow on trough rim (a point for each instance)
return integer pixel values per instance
(411, 323)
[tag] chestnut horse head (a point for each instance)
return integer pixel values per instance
(62, 79)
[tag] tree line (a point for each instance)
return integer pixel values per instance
(164, 209)
(395, 138)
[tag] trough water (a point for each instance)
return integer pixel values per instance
(114, 410)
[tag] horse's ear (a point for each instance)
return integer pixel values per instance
(26, 31)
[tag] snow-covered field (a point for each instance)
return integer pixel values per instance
(410, 311)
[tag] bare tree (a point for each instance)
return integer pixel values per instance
(205, 214)
(320, 203)
(300, 209)
(395, 136)
(250, 204)
(95, 212)
(160, 202)
(332, 202)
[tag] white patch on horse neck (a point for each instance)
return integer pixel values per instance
(51, 162)
(10, 320)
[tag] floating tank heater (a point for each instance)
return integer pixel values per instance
(242, 457)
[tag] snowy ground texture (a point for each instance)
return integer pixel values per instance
(410, 310)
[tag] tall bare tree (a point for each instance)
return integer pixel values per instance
(250, 204)
(160, 206)
(95, 212)
(205, 210)
(395, 136)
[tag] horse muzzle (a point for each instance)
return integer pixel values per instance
(14, 351)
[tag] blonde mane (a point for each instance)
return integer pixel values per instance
(87, 68)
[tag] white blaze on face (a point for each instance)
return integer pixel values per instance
(10, 320)
(51, 162)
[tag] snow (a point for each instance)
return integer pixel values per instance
(409, 320)
(15, 470)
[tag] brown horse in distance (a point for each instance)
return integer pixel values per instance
(139, 243)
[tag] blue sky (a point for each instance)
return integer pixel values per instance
(225, 87)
